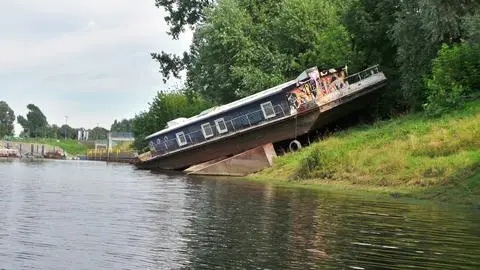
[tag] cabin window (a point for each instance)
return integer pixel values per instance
(221, 126)
(207, 130)
(181, 139)
(267, 109)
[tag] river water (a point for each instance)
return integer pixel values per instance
(89, 215)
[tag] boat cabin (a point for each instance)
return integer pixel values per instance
(273, 104)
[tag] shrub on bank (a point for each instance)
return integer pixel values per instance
(409, 151)
(455, 77)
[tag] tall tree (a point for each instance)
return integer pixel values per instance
(369, 23)
(182, 13)
(455, 77)
(7, 117)
(420, 28)
(471, 24)
(123, 126)
(403, 37)
(166, 106)
(66, 131)
(98, 133)
(226, 60)
(53, 132)
(244, 46)
(35, 125)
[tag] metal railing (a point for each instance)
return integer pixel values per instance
(362, 75)
(234, 125)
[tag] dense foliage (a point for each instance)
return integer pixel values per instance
(122, 126)
(182, 13)
(98, 133)
(244, 46)
(455, 77)
(35, 124)
(7, 117)
(65, 132)
(166, 106)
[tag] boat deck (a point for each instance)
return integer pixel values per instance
(358, 84)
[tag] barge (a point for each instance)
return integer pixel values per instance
(284, 112)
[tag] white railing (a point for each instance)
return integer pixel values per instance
(362, 75)
(234, 125)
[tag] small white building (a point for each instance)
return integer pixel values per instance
(82, 135)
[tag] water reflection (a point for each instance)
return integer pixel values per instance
(251, 225)
(83, 215)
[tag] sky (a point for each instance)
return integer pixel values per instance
(88, 60)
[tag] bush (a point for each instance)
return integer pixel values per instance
(455, 77)
(313, 165)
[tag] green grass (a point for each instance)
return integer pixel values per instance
(413, 155)
(70, 146)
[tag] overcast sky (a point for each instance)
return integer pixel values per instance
(85, 59)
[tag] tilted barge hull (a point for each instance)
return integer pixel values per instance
(286, 112)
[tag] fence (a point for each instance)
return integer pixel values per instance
(113, 156)
(32, 148)
(240, 123)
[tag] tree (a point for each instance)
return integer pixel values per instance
(54, 131)
(420, 28)
(65, 131)
(310, 33)
(369, 23)
(98, 133)
(471, 24)
(35, 125)
(183, 13)
(123, 126)
(7, 117)
(245, 46)
(143, 125)
(224, 57)
(454, 77)
(403, 37)
(241, 47)
(166, 106)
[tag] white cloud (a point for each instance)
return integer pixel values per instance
(76, 57)
(91, 24)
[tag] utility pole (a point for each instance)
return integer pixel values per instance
(66, 125)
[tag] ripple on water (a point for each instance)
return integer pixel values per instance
(88, 215)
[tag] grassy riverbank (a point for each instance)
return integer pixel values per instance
(413, 156)
(70, 146)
